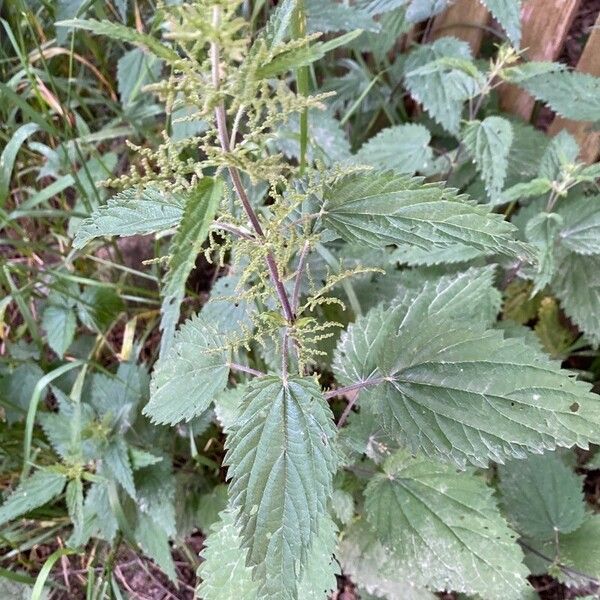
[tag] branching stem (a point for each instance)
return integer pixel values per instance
(235, 175)
(245, 369)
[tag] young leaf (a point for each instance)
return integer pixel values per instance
(281, 463)
(488, 142)
(542, 232)
(32, 492)
(200, 209)
(122, 33)
(440, 90)
(60, 323)
(427, 368)
(116, 461)
(577, 286)
(131, 213)
(135, 69)
(403, 148)
(581, 230)
(188, 377)
(542, 496)
(571, 94)
(508, 15)
(377, 209)
(432, 516)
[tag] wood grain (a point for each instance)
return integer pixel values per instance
(588, 63)
(545, 25)
(464, 20)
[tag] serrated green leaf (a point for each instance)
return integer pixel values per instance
(98, 306)
(528, 70)
(122, 33)
(562, 151)
(421, 10)
(403, 148)
(571, 94)
(16, 389)
(60, 323)
(377, 209)
(542, 232)
(378, 571)
(327, 141)
(342, 504)
(577, 286)
(521, 191)
(318, 580)
(581, 230)
(432, 516)
(131, 213)
(188, 377)
(508, 15)
(442, 91)
(155, 486)
(281, 463)
(116, 461)
(430, 367)
(135, 69)
(74, 500)
(200, 210)
(577, 551)
(489, 142)
(330, 16)
(32, 492)
(302, 56)
(155, 543)
(225, 576)
(542, 496)
(223, 571)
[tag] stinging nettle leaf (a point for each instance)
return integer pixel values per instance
(445, 525)
(122, 33)
(489, 142)
(508, 15)
(281, 463)
(442, 90)
(199, 212)
(131, 213)
(542, 496)
(571, 94)
(32, 492)
(187, 378)
(381, 208)
(581, 230)
(577, 285)
(403, 148)
(456, 390)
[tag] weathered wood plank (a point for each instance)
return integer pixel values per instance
(545, 26)
(588, 63)
(464, 20)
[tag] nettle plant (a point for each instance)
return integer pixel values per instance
(349, 281)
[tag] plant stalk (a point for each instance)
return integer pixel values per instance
(236, 180)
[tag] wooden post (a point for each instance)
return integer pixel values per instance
(588, 140)
(464, 20)
(545, 26)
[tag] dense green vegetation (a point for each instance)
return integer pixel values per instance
(275, 276)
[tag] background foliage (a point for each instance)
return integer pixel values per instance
(291, 308)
